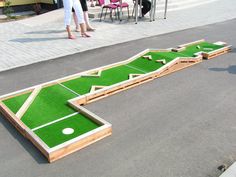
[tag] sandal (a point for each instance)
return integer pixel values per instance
(91, 29)
(85, 35)
(71, 37)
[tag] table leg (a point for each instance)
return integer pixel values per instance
(140, 13)
(165, 9)
(120, 10)
(151, 12)
(154, 13)
(136, 11)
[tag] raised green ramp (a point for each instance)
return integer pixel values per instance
(204, 47)
(15, 103)
(55, 133)
(55, 122)
(82, 85)
(151, 65)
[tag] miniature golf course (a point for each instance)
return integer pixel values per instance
(54, 121)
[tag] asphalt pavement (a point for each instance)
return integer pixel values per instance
(180, 125)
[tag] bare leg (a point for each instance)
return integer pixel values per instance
(70, 35)
(92, 3)
(76, 22)
(83, 30)
(86, 19)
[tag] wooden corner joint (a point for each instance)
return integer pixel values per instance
(148, 57)
(162, 61)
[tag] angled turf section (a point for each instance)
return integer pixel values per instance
(190, 50)
(151, 65)
(15, 103)
(82, 85)
(53, 135)
(49, 105)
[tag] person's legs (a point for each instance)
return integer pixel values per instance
(83, 30)
(75, 20)
(92, 3)
(80, 17)
(67, 10)
(77, 29)
(146, 6)
(86, 17)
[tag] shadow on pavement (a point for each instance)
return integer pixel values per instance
(231, 69)
(233, 50)
(35, 153)
(46, 32)
(28, 40)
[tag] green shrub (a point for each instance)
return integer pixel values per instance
(7, 9)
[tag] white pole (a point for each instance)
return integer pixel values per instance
(136, 11)
(152, 9)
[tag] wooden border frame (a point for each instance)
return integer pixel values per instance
(68, 147)
(215, 53)
(175, 65)
(105, 129)
(207, 55)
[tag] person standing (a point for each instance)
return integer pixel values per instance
(86, 17)
(146, 6)
(68, 4)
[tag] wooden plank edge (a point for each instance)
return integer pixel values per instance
(70, 77)
(192, 43)
(28, 102)
(216, 53)
(110, 90)
(179, 66)
(73, 147)
(22, 128)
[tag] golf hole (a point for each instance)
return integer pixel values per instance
(68, 131)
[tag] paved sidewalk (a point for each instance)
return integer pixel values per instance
(43, 37)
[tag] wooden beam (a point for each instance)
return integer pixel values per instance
(162, 61)
(131, 76)
(96, 87)
(28, 102)
(149, 57)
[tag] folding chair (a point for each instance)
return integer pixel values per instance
(110, 6)
(121, 5)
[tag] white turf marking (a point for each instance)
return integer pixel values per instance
(136, 68)
(67, 131)
(69, 89)
(207, 48)
(44, 125)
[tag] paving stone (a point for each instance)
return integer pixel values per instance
(43, 38)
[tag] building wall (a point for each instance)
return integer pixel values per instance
(25, 2)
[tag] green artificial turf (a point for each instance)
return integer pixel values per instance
(51, 102)
(15, 103)
(151, 65)
(190, 50)
(82, 85)
(52, 134)
(49, 105)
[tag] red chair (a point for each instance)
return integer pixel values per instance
(110, 6)
(121, 5)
